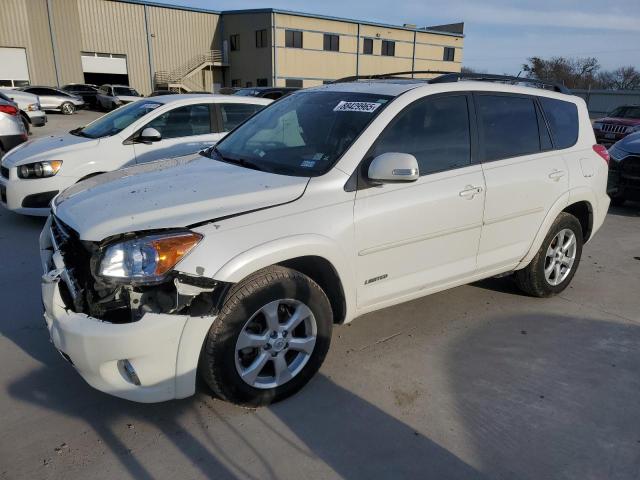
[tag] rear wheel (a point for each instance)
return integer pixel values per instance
(555, 264)
(67, 108)
(270, 338)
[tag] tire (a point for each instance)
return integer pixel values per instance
(223, 358)
(67, 108)
(27, 125)
(533, 279)
(618, 201)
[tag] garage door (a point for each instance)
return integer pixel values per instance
(111, 63)
(14, 71)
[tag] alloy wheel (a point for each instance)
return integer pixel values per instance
(561, 254)
(276, 343)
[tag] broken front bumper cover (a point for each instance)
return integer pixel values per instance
(161, 349)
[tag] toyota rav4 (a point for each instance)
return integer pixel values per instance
(332, 202)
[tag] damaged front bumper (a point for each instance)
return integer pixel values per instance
(150, 360)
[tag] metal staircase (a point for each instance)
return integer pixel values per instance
(181, 79)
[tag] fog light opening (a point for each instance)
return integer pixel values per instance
(129, 372)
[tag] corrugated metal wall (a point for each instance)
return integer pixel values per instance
(114, 27)
(25, 24)
(66, 29)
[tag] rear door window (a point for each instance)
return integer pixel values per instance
(563, 120)
(233, 114)
(434, 130)
(508, 126)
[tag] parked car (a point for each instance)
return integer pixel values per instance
(330, 203)
(265, 92)
(618, 124)
(12, 131)
(157, 93)
(624, 170)
(87, 92)
(113, 96)
(55, 99)
(29, 105)
(144, 131)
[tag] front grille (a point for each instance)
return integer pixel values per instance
(630, 167)
(613, 128)
(4, 171)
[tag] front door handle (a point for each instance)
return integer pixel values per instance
(470, 191)
(556, 175)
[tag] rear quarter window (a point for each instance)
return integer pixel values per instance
(563, 120)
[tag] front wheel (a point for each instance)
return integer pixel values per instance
(270, 338)
(555, 264)
(67, 108)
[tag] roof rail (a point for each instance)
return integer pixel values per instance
(391, 75)
(487, 77)
(447, 77)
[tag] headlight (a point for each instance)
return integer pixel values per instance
(597, 126)
(39, 169)
(146, 259)
(34, 107)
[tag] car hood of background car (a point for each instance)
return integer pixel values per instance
(630, 122)
(170, 194)
(48, 148)
(127, 98)
(630, 143)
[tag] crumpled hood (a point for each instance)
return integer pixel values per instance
(52, 147)
(630, 143)
(168, 194)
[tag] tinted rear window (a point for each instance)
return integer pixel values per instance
(509, 126)
(563, 120)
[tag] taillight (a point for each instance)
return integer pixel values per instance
(10, 109)
(602, 151)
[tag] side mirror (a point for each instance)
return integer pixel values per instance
(149, 135)
(394, 167)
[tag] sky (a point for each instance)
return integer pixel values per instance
(500, 34)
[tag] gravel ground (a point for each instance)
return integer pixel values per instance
(475, 382)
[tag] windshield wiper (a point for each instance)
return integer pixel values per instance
(237, 161)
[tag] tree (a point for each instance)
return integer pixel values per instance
(570, 72)
(623, 78)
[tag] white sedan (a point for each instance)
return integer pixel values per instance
(143, 131)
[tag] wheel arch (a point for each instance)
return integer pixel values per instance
(583, 211)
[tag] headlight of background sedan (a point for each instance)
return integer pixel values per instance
(146, 259)
(39, 169)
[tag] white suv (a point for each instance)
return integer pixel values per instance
(330, 203)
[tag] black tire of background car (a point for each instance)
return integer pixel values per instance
(217, 360)
(531, 279)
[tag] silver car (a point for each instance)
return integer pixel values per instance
(29, 105)
(54, 99)
(12, 130)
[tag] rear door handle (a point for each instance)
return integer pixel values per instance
(470, 191)
(556, 175)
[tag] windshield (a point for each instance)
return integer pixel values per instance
(626, 112)
(246, 92)
(125, 91)
(117, 120)
(303, 134)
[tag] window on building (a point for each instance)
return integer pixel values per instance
(509, 126)
(293, 82)
(367, 46)
(233, 114)
(261, 38)
(563, 120)
(331, 42)
(234, 41)
(262, 82)
(293, 39)
(449, 54)
(434, 130)
(183, 121)
(388, 48)
(248, 84)
(236, 82)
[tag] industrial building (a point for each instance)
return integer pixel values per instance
(156, 46)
